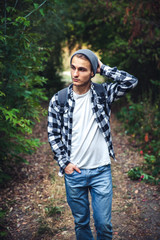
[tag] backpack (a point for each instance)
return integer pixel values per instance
(63, 94)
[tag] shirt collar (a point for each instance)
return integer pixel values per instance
(71, 90)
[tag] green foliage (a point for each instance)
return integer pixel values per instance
(52, 70)
(3, 231)
(51, 28)
(31, 41)
(142, 122)
(44, 227)
(137, 173)
(52, 178)
(4, 177)
(126, 35)
(21, 60)
(51, 211)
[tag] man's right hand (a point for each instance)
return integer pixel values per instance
(99, 66)
(70, 169)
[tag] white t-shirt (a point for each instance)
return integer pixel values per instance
(89, 149)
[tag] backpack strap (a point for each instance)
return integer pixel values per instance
(62, 97)
(62, 94)
(99, 89)
(62, 100)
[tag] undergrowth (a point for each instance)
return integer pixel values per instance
(142, 123)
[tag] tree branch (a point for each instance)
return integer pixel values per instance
(36, 9)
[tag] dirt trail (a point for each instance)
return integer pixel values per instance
(36, 201)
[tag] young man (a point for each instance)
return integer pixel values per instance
(80, 138)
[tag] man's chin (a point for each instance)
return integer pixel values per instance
(76, 83)
(75, 80)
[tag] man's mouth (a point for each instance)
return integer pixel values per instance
(75, 80)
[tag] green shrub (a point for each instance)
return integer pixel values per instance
(51, 211)
(3, 230)
(44, 227)
(137, 173)
(142, 122)
(21, 93)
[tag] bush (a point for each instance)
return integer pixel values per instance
(137, 173)
(21, 92)
(3, 230)
(142, 122)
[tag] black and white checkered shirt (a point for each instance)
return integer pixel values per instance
(60, 127)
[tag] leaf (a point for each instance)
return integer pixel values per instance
(36, 5)
(41, 12)
(2, 94)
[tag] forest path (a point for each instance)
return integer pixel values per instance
(36, 201)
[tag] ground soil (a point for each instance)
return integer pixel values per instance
(36, 204)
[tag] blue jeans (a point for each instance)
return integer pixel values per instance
(99, 182)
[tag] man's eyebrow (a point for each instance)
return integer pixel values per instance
(83, 67)
(72, 65)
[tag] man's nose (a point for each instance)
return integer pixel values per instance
(75, 73)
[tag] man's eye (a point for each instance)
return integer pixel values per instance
(82, 69)
(72, 67)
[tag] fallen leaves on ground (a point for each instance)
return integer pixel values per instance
(36, 202)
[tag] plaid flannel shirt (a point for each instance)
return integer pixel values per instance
(60, 125)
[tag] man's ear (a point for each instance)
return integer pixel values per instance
(92, 74)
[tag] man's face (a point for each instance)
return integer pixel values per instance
(81, 72)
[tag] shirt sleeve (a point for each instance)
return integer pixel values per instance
(54, 134)
(122, 82)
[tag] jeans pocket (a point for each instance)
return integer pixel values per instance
(104, 168)
(70, 174)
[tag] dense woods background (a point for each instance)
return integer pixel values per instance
(33, 35)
